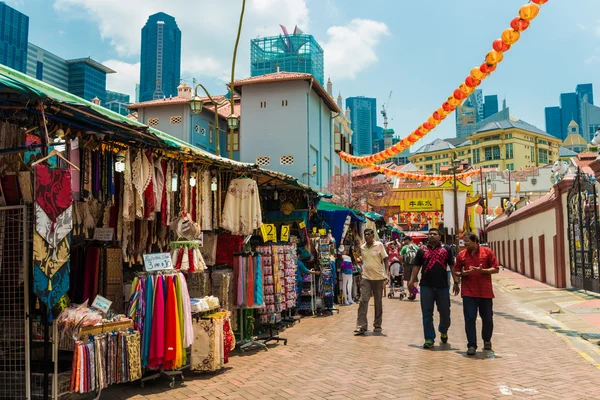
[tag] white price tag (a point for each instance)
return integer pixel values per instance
(102, 303)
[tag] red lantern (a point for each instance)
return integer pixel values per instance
(394, 218)
(437, 214)
(428, 125)
(448, 107)
(519, 24)
(408, 214)
(540, 2)
(416, 220)
(487, 69)
(472, 82)
(459, 95)
(499, 45)
(478, 210)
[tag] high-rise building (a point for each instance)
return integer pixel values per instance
(490, 105)
(469, 113)
(14, 36)
(363, 117)
(578, 107)
(585, 94)
(553, 121)
(117, 102)
(378, 144)
(160, 68)
(568, 112)
(87, 78)
(295, 52)
(83, 77)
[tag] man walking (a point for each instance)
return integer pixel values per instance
(476, 265)
(408, 255)
(433, 262)
(374, 275)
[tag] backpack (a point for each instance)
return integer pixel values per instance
(411, 255)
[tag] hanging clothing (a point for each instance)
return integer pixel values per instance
(242, 212)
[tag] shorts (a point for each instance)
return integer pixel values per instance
(408, 269)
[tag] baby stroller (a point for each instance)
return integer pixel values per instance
(396, 281)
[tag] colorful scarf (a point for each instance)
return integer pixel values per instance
(146, 332)
(157, 339)
(258, 282)
(50, 290)
(170, 326)
(187, 313)
(180, 331)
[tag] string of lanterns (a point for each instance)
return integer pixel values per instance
(509, 37)
(426, 178)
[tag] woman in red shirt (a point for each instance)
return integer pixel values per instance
(476, 265)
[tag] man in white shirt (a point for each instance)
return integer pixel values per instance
(374, 275)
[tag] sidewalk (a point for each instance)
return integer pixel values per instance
(537, 355)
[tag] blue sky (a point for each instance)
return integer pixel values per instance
(420, 50)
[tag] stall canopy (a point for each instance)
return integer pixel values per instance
(22, 92)
(335, 216)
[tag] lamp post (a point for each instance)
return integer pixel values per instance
(233, 120)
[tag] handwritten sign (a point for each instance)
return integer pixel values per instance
(102, 303)
(302, 225)
(285, 233)
(269, 232)
(157, 262)
(104, 234)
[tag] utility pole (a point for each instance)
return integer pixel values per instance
(455, 164)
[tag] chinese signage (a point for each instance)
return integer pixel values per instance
(420, 204)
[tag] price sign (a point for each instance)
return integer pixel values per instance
(157, 262)
(269, 232)
(285, 233)
(302, 225)
(102, 303)
(104, 234)
(322, 232)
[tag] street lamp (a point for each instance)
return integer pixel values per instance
(233, 121)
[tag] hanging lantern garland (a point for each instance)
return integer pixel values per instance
(421, 177)
(509, 37)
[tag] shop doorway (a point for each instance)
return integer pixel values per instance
(583, 232)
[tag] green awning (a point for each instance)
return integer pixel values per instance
(325, 206)
(374, 216)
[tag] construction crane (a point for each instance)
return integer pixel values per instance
(384, 108)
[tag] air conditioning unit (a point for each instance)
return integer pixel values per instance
(533, 181)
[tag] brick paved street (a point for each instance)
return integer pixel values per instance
(323, 360)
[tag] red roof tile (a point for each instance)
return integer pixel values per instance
(286, 77)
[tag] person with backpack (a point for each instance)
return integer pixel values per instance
(408, 254)
(433, 263)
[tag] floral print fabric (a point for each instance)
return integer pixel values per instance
(242, 213)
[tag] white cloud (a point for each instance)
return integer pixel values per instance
(351, 48)
(125, 79)
(582, 27)
(208, 28)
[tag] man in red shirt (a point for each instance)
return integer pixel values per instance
(476, 265)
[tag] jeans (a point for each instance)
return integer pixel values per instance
(366, 288)
(470, 307)
(441, 298)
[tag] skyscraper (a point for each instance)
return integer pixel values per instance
(289, 52)
(160, 68)
(569, 111)
(14, 36)
(363, 117)
(585, 94)
(554, 121)
(490, 105)
(469, 113)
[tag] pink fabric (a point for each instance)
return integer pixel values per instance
(157, 340)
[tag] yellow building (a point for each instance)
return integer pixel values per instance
(509, 144)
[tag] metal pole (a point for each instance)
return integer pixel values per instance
(216, 130)
(485, 210)
(456, 242)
